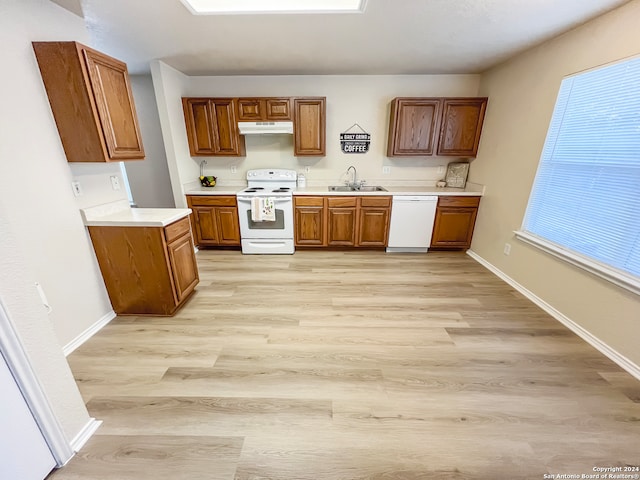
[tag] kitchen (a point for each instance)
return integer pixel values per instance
(504, 177)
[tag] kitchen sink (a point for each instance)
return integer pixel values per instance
(362, 188)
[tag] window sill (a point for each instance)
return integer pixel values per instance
(616, 277)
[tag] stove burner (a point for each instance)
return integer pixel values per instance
(282, 189)
(254, 189)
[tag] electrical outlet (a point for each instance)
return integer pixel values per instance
(115, 182)
(307, 169)
(507, 248)
(440, 169)
(77, 189)
(234, 169)
(386, 169)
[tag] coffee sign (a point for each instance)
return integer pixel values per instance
(355, 142)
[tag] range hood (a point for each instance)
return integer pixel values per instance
(262, 128)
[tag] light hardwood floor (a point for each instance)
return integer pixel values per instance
(350, 365)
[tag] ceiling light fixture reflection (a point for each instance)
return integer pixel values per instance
(250, 7)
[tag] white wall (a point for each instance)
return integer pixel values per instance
(350, 99)
(149, 179)
(522, 94)
(41, 234)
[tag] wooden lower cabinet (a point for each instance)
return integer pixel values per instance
(215, 220)
(455, 220)
(309, 221)
(147, 270)
(342, 221)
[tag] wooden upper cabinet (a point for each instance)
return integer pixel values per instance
(263, 109)
(461, 126)
(309, 126)
(91, 101)
(212, 128)
(413, 126)
(435, 126)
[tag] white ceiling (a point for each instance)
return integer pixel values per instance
(391, 37)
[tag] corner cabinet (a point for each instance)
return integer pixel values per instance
(309, 127)
(214, 220)
(455, 221)
(435, 126)
(92, 103)
(212, 128)
(147, 270)
(342, 221)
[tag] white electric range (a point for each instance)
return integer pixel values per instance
(274, 236)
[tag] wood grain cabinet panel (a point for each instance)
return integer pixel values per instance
(263, 109)
(309, 126)
(341, 226)
(212, 128)
(373, 228)
(214, 220)
(435, 126)
(91, 101)
(462, 120)
(309, 221)
(143, 272)
(342, 221)
(413, 127)
(455, 221)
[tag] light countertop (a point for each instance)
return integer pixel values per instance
(120, 214)
(471, 189)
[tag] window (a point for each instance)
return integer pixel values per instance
(585, 201)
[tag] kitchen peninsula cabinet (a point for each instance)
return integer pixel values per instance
(435, 126)
(309, 126)
(146, 270)
(214, 220)
(91, 101)
(212, 128)
(454, 223)
(342, 221)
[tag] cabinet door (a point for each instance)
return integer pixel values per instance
(413, 126)
(228, 225)
(309, 126)
(183, 266)
(278, 109)
(251, 109)
(227, 140)
(197, 117)
(374, 227)
(309, 226)
(205, 221)
(454, 227)
(117, 113)
(341, 226)
(462, 120)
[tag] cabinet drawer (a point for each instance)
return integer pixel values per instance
(341, 201)
(452, 201)
(212, 201)
(375, 201)
(308, 201)
(176, 229)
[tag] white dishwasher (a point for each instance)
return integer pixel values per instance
(412, 218)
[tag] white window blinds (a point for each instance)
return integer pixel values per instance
(586, 194)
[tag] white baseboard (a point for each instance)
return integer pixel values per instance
(588, 337)
(88, 333)
(85, 434)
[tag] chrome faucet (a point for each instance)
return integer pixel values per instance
(353, 184)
